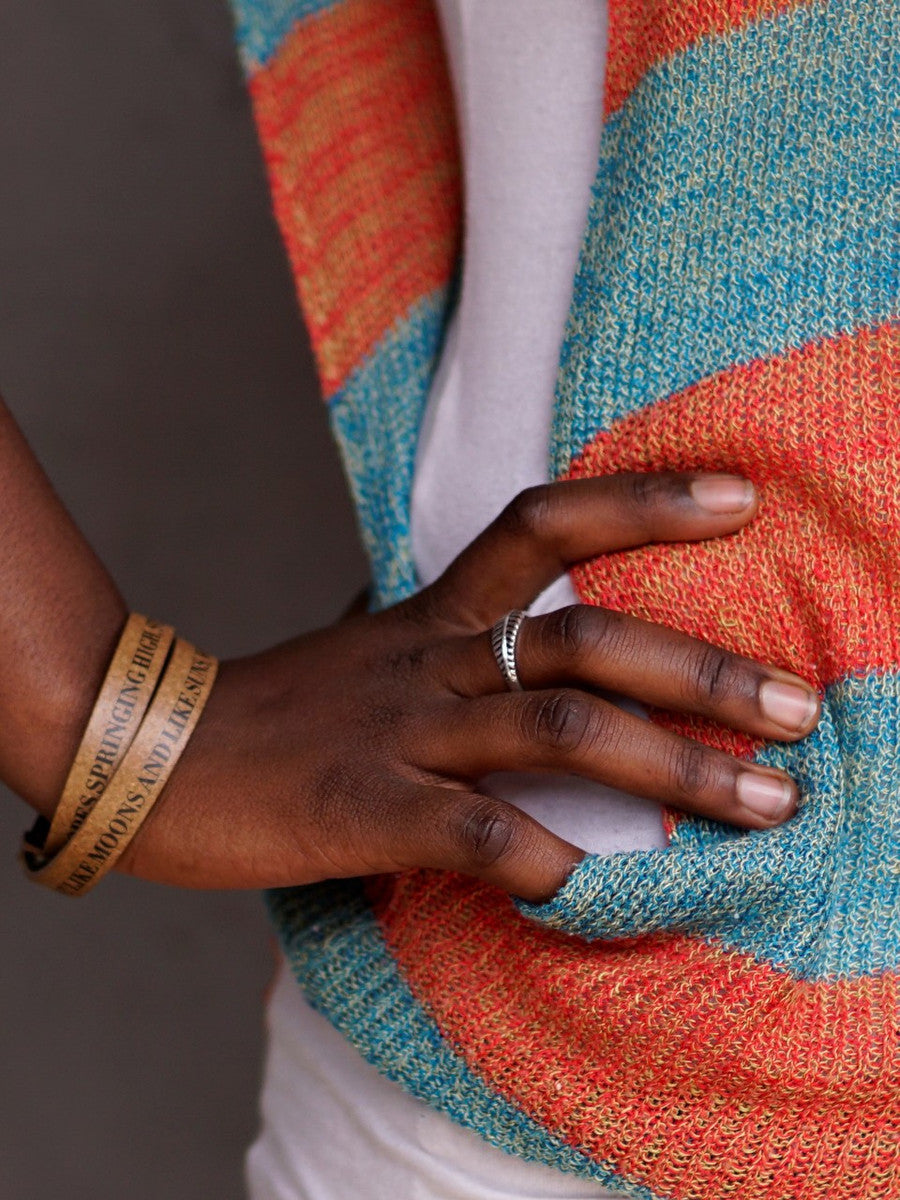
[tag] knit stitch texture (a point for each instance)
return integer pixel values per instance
(719, 1018)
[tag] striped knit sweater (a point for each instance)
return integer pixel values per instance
(719, 1018)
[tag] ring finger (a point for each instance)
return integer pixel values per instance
(612, 651)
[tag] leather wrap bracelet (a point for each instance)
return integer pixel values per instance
(149, 704)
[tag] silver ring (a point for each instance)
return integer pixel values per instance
(503, 643)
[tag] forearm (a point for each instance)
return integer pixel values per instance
(60, 615)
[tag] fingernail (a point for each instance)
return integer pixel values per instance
(722, 493)
(788, 705)
(765, 795)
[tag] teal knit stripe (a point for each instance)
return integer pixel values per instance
(262, 25)
(703, 248)
(781, 895)
(376, 417)
(337, 952)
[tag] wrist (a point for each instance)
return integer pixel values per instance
(153, 694)
(46, 696)
(190, 831)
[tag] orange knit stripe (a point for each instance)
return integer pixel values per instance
(673, 1108)
(641, 32)
(355, 113)
(813, 582)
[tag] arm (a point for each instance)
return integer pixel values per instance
(60, 616)
(358, 748)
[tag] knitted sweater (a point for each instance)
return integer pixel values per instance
(719, 1018)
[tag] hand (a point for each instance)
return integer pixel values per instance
(357, 749)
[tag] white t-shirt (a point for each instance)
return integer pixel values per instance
(528, 78)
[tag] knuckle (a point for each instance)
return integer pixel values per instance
(642, 489)
(405, 664)
(528, 514)
(486, 832)
(561, 721)
(424, 609)
(566, 632)
(570, 634)
(712, 675)
(644, 493)
(691, 770)
(608, 631)
(382, 731)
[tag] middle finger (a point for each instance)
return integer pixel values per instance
(607, 650)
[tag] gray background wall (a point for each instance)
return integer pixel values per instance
(150, 347)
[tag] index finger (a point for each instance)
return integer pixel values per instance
(548, 529)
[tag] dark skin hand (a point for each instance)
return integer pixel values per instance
(357, 749)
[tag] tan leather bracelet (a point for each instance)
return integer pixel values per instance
(129, 685)
(115, 818)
